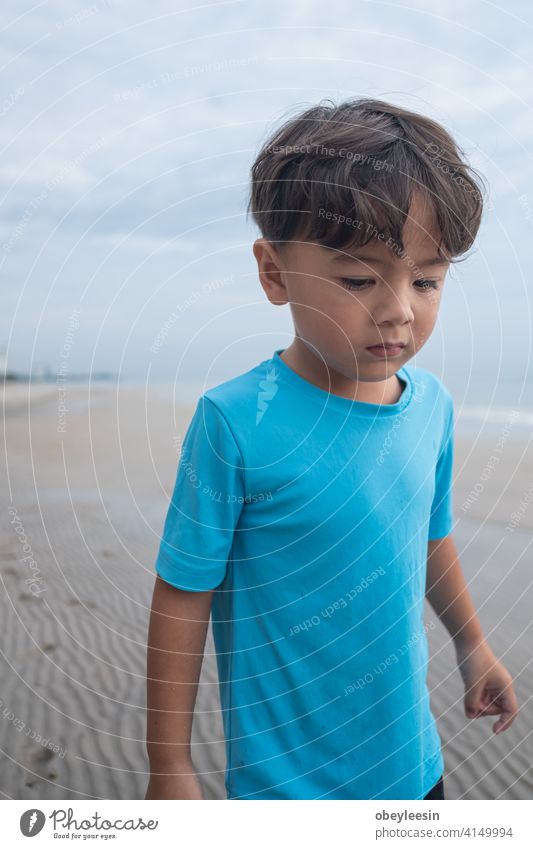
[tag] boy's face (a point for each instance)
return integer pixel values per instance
(343, 303)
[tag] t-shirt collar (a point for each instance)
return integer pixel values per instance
(339, 402)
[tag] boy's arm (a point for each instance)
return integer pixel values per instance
(448, 594)
(176, 641)
(488, 685)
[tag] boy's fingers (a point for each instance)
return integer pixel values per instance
(509, 712)
(490, 710)
(493, 704)
(504, 703)
(473, 701)
(504, 721)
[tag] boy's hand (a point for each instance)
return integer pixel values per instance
(488, 685)
(183, 784)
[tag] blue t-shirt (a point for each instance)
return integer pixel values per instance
(311, 515)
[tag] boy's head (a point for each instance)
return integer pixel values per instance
(362, 208)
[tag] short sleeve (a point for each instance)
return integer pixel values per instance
(206, 503)
(441, 519)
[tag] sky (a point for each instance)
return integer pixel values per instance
(128, 131)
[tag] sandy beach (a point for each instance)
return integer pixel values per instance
(86, 495)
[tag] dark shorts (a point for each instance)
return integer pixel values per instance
(436, 792)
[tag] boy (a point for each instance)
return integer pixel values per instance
(312, 510)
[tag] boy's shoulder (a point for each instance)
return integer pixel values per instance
(238, 396)
(428, 387)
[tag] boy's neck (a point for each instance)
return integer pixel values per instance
(298, 357)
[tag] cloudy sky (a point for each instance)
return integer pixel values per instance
(127, 133)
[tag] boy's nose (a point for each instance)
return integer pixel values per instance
(395, 308)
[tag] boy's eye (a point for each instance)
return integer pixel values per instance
(428, 284)
(355, 282)
(361, 282)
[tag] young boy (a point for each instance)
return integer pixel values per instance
(312, 510)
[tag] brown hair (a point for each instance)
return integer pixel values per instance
(342, 175)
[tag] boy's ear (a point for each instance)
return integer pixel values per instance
(270, 267)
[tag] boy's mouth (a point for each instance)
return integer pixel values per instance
(386, 350)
